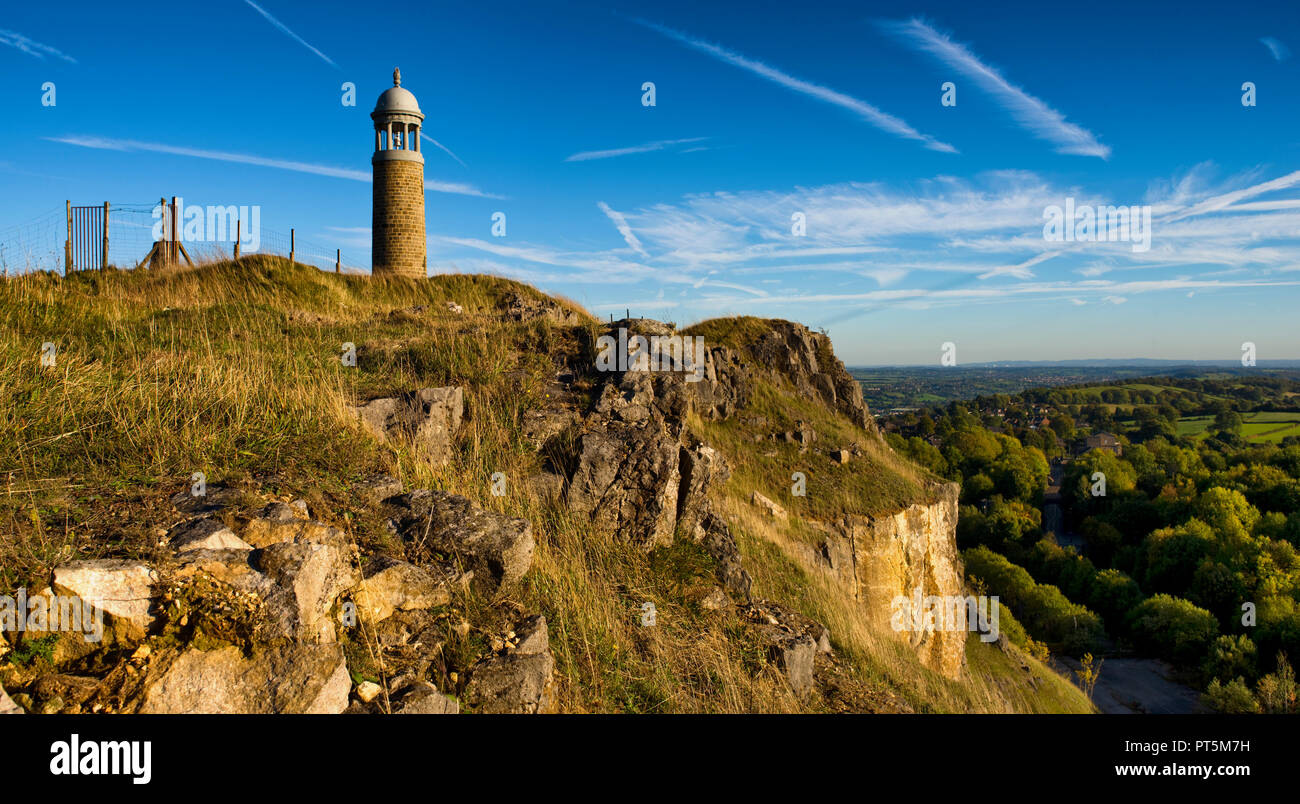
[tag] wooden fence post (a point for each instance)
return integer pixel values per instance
(67, 244)
(239, 225)
(338, 259)
(291, 249)
(103, 265)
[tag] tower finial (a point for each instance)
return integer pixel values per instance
(397, 77)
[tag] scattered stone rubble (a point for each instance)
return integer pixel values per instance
(254, 618)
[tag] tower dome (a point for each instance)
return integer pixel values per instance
(397, 100)
(397, 246)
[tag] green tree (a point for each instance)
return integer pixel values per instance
(1228, 421)
(1173, 628)
(1233, 698)
(1230, 656)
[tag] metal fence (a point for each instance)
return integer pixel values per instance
(143, 235)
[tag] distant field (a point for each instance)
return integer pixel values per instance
(1261, 427)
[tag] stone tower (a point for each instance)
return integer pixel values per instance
(397, 244)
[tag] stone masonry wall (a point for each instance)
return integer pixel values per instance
(398, 241)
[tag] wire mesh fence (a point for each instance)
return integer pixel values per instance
(43, 243)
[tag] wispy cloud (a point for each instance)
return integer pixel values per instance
(31, 47)
(647, 147)
(105, 143)
(940, 243)
(1033, 114)
(1226, 200)
(1279, 50)
(620, 223)
(881, 120)
(445, 149)
(293, 35)
(1020, 270)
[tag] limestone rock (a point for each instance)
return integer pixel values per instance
(519, 307)
(540, 426)
(532, 636)
(627, 481)
(390, 585)
(279, 523)
(428, 417)
(229, 566)
(422, 698)
(793, 640)
(7, 706)
(896, 554)
(497, 549)
(312, 576)
(702, 469)
(124, 590)
(516, 684)
(806, 359)
(367, 691)
(64, 692)
(378, 488)
(284, 679)
(769, 507)
(205, 533)
(722, 546)
(677, 380)
(793, 654)
(715, 600)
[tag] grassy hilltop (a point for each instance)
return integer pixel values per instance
(233, 369)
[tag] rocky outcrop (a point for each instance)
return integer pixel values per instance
(806, 359)
(793, 640)
(519, 307)
(721, 545)
(422, 698)
(769, 507)
(281, 523)
(628, 478)
(702, 470)
(634, 472)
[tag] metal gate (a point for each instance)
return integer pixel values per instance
(87, 243)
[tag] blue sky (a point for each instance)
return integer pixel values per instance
(924, 222)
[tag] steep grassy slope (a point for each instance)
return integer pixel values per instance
(234, 370)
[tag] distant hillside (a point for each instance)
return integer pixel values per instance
(893, 388)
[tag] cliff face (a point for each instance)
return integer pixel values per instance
(877, 558)
(913, 549)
